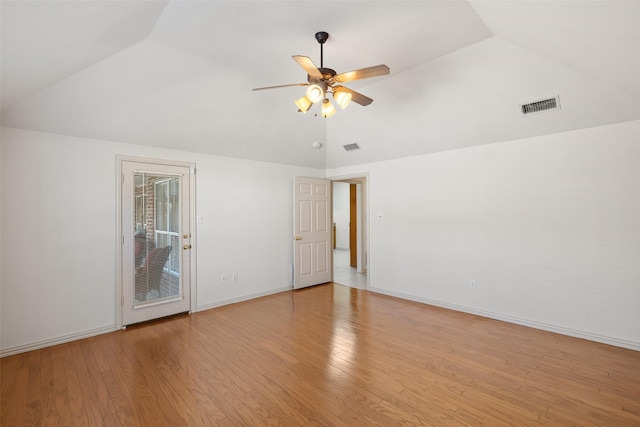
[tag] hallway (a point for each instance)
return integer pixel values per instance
(344, 274)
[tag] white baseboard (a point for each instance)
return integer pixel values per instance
(86, 334)
(55, 341)
(243, 298)
(510, 319)
(516, 320)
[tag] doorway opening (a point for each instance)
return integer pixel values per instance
(350, 231)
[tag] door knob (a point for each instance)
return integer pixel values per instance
(186, 236)
(186, 247)
(298, 238)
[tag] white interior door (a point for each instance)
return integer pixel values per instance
(156, 241)
(312, 232)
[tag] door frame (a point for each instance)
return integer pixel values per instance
(363, 219)
(354, 226)
(120, 159)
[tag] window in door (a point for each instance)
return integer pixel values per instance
(167, 220)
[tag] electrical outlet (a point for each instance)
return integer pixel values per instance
(472, 284)
(235, 277)
(223, 278)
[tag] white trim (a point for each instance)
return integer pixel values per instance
(244, 298)
(158, 302)
(119, 240)
(167, 174)
(55, 341)
(617, 342)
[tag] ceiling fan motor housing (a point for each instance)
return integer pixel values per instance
(327, 73)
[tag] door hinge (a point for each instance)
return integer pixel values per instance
(122, 180)
(122, 301)
(122, 243)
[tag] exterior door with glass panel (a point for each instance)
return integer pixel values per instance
(156, 241)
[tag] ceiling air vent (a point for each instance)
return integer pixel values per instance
(540, 106)
(351, 147)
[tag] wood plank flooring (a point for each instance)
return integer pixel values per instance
(324, 356)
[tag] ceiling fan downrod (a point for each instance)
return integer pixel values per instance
(322, 37)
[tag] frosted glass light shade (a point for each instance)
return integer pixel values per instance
(341, 96)
(328, 109)
(303, 104)
(315, 93)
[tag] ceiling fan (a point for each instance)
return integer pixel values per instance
(321, 81)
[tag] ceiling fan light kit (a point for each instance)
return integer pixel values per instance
(321, 80)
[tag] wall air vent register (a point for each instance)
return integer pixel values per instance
(540, 106)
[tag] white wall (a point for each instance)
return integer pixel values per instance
(341, 213)
(548, 227)
(59, 233)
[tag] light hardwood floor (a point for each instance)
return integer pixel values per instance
(327, 355)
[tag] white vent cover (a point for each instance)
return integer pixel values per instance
(351, 147)
(541, 105)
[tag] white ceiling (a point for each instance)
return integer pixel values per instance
(178, 74)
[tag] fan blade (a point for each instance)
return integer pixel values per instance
(307, 64)
(276, 87)
(363, 73)
(357, 97)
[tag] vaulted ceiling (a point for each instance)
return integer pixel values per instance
(179, 74)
